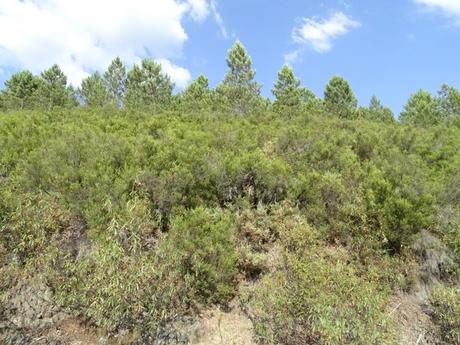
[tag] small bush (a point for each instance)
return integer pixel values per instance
(35, 220)
(319, 296)
(202, 245)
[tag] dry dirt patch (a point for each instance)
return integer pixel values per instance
(217, 327)
(414, 325)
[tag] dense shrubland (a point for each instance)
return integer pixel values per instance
(141, 206)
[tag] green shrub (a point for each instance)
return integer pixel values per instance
(113, 276)
(260, 178)
(320, 298)
(201, 244)
(32, 225)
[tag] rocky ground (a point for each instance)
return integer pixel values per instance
(29, 315)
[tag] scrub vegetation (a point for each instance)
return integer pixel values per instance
(136, 206)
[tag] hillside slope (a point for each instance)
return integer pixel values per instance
(123, 227)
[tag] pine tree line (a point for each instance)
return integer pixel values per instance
(146, 87)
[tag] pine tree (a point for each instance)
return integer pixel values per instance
(379, 112)
(53, 91)
(20, 90)
(94, 91)
(2, 100)
(421, 109)
(307, 97)
(287, 91)
(449, 102)
(197, 95)
(375, 104)
(239, 89)
(147, 86)
(339, 98)
(115, 79)
(73, 96)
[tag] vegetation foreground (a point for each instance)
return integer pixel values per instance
(312, 223)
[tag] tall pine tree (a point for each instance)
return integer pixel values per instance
(239, 89)
(115, 79)
(20, 90)
(197, 95)
(94, 91)
(449, 102)
(287, 91)
(148, 87)
(53, 90)
(379, 112)
(339, 98)
(421, 109)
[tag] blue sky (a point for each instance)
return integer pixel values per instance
(388, 48)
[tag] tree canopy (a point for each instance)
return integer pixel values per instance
(115, 79)
(146, 86)
(20, 90)
(421, 109)
(339, 98)
(239, 89)
(94, 91)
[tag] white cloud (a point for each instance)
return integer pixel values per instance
(179, 75)
(199, 9)
(319, 32)
(85, 35)
(218, 19)
(292, 57)
(448, 7)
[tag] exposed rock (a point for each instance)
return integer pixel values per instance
(435, 261)
(30, 305)
(411, 311)
(27, 310)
